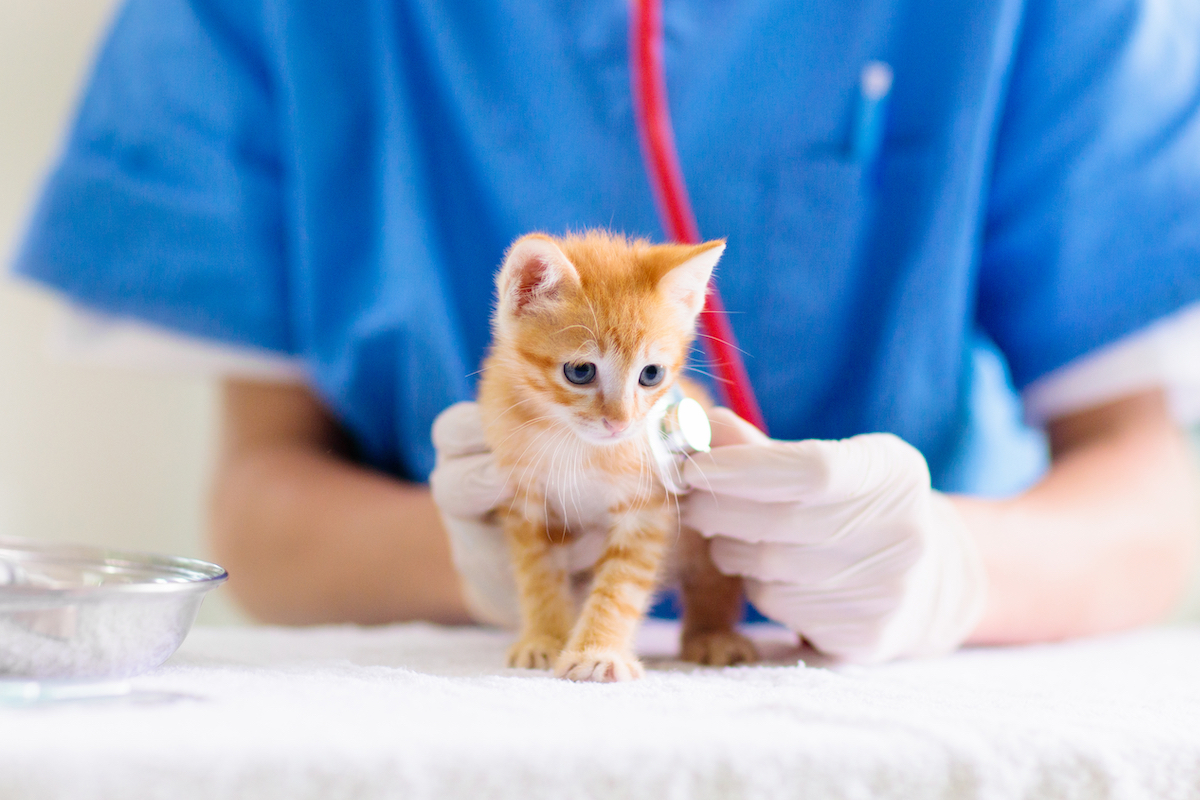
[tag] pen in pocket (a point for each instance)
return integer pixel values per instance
(870, 113)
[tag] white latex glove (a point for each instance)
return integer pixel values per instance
(468, 487)
(842, 541)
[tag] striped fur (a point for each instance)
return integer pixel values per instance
(620, 305)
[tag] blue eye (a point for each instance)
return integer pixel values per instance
(652, 375)
(581, 373)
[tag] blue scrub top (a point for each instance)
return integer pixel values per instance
(340, 184)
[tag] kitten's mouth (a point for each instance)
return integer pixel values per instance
(605, 437)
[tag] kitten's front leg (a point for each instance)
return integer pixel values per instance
(601, 643)
(545, 605)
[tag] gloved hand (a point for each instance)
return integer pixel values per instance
(842, 541)
(468, 487)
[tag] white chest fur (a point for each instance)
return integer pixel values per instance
(583, 498)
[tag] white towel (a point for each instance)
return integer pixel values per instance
(417, 711)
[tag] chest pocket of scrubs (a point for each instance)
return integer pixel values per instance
(816, 219)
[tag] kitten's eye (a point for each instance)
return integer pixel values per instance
(652, 375)
(581, 373)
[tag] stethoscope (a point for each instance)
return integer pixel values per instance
(678, 426)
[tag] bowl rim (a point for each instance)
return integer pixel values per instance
(181, 574)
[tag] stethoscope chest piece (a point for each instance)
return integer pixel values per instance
(678, 427)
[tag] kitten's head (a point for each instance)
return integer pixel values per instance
(592, 330)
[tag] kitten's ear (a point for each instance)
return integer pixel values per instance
(535, 276)
(686, 284)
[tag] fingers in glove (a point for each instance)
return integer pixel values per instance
(485, 570)
(850, 624)
(728, 428)
(816, 567)
(752, 521)
(587, 548)
(772, 472)
(812, 470)
(458, 431)
(468, 486)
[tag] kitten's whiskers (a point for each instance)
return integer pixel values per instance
(715, 378)
(703, 335)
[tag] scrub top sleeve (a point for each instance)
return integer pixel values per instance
(81, 336)
(166, 204)
(1093, 223)
(1164, 356)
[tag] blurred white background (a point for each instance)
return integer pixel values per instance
(86, 454)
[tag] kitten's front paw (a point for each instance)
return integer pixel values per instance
(719, 648)
(534, 652)
(602, 666)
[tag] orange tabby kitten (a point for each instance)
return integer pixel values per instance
(589, 332)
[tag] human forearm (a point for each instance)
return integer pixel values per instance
(1105, 541)
(309, 537)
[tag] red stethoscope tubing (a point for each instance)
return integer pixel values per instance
(679, 222)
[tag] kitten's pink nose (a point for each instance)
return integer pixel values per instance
(614, 427)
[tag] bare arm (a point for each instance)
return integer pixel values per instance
(1105, 541)
(310, 537)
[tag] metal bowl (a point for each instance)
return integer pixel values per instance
(74, 612)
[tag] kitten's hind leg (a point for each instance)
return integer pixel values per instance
(546, 607)
(712, 605)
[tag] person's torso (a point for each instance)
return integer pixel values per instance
(425, 137)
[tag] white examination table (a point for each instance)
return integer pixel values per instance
(424, 712)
